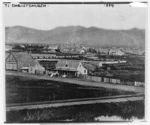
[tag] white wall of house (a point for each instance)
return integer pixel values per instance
(116, 52)
(11, 63)
(82, 52)
(119, 53)
(81, 69)
(31, 69)
(39, 67)
(36, 68)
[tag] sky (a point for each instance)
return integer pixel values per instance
(117, 17)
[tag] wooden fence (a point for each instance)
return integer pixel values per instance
(112, 80)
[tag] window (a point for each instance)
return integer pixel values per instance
(84, 71)
(66, 65)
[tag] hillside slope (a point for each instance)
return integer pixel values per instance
(77, 34)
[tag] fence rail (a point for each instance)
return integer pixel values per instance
(112, 80)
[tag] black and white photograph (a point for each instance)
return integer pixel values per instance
(74, 62)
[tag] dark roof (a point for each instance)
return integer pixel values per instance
(70, 63)
(24, 58)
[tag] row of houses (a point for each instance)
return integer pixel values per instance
(113, 51)
(25, 62)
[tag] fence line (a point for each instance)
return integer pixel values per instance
(112, 80)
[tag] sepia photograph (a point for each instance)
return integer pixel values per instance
(74, 62)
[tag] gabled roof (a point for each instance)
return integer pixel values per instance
(24, 58)
(6, 54)
(68, 64)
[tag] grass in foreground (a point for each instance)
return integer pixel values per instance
(80, 113)
(23, 90)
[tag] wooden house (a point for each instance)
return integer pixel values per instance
(23, 61)
(74, 67)
(67, 67)
(36, 69)
(17, 60)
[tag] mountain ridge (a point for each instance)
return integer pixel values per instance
(77, 34)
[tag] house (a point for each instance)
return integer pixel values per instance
(82, 51)
(116, 52)
(74, 67)
(53, 47)
(17, 60)
(37, 69)
(82, 69)
(23, 61)
(67, 67)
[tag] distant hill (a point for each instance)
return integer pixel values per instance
(77, 34)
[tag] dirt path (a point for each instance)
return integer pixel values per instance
(75, 102)
(80, 82)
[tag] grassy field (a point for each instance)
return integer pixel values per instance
(134, 70)
(81, 113)
(23, 89)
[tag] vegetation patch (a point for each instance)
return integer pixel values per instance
(24, 90)
(79, 113)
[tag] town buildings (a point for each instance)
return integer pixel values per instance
(116, 52)
(74, 67)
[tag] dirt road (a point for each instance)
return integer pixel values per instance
(80, 82)
(74, 102)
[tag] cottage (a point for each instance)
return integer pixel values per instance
(23, 61)
(17, 60)
(82, 51)
(116, 52)
(74, 67)
(82, 68)
(67, 67)
(37, 69)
